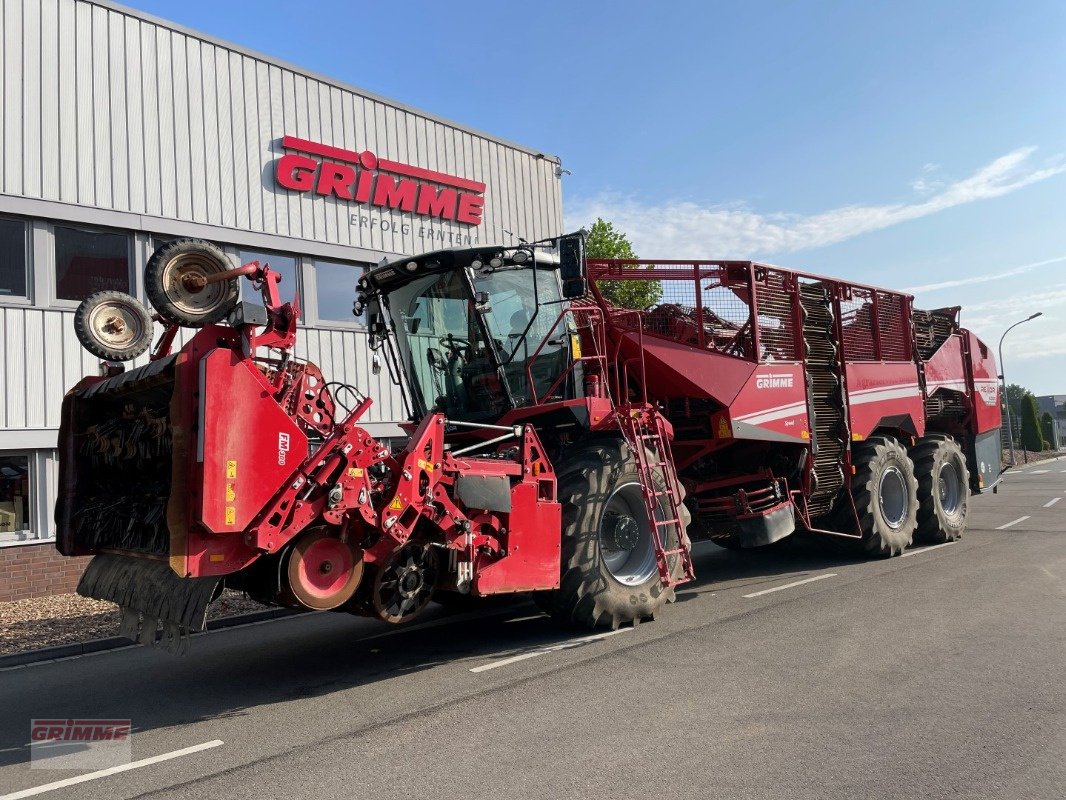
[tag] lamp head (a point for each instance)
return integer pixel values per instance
(1037, 314)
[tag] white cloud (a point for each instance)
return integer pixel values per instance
(683, 229)
(991, 276)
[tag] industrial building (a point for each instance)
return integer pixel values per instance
(119, 131)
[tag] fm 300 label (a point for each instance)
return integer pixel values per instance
(283, 448)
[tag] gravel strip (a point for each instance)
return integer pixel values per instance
(68, 618)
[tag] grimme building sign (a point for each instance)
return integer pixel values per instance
(119, 131)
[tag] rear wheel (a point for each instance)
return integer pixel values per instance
(886, 496)
(610, 573)
(943, 490)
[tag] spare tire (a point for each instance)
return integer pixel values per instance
(113, 326)
(169, 282)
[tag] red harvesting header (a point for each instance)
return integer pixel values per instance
(365, 178)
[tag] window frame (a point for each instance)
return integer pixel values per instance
(40, 471)
(311, 281)
(49, 270)
(25, 299)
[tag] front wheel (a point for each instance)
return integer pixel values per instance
(943, 489)
(609, 568)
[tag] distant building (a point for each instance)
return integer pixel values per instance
(1055, 405)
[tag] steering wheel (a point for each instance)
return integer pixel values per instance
(454, 343)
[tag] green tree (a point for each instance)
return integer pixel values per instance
(1047, 426)
(606, 242)
(1032, 438)
(1014, 396)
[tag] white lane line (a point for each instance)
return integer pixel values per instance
(1038, 471)
(1052, 502)
(790, 585)
(925, 549)
(103, 773)
(1010, 524)
(539, 651)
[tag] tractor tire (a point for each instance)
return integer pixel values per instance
(943, 490)
(113, 326)
(175, 302)
(604, 582)
(885, 492)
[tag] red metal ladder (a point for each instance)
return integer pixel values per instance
(646, 433)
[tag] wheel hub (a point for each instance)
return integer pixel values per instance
(892, 496)
(621, 531)
(323, 572)
(404, 582)
(949, 488)
(625, 535)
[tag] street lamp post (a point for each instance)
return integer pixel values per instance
(1003, 379)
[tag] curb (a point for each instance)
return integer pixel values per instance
(115, 642)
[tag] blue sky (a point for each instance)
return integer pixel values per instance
(909, 144)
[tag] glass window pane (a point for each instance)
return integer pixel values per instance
(90, 261)
(284, 265)
(335, 286)
(12, 258)
(15, 502)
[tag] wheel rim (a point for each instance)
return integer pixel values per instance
(324, 572)
(949, 487)
(179, 284)
(115, 325)
(625, 536)
(892, 494)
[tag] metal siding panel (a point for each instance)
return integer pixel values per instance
(238, 114)
(183, 168)
(55, 385)
(151, 122)
(49, 132)
(196, 152)
(36, 362)
(223, 137)
(390, 146)
(290, 116)
(31, 98)
(336, 223)
(253, 125)
(270, 116)
(301, 106)
(15, 367)
(101, 108)
(67, 180)
(12, 122)
(84, 94)
(211, 143)
(120, 155)
(169, 182)
(134, 116)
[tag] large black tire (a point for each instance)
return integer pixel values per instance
(943, 489)
(113, 326)
(886, 497)
(596, 475)
(174, 302)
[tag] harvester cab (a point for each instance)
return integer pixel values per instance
(477, 331)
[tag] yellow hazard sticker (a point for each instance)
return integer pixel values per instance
(217, 557)
(231, 493)
(723, 428)
(231, 515)
(355, 472)
(426, 465)
(805, 434)
(396, 504)
(856, 437)
(231, 469)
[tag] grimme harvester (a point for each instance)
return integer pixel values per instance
(557, 445)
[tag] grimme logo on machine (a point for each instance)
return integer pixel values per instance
(366, 179)
(773, 381)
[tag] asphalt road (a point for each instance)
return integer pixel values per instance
(939, 674)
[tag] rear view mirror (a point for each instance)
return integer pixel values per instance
(572, 265)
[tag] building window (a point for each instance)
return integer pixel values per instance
(90, 261)
(284, 265)
(15, 501)
(335, 289)
(12, 258)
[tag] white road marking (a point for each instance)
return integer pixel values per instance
(790, 585)
(1000, 528)
(925, 549)
(103, 773)
(539, 651)
(1052, 502)
(1039, 471)
(525, 619)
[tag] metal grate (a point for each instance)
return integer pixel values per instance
(892, 327)
(775, 294)
(856, 324)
